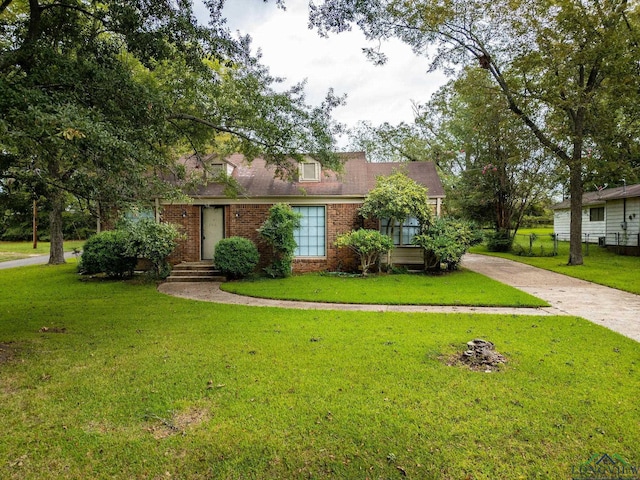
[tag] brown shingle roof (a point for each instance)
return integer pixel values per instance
(358, 177)
(594, 198)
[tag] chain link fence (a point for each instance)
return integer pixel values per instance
(549, 245)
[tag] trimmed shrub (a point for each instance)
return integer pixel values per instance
(236, 257)
(107, 252)
(367, 244)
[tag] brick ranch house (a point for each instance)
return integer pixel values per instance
(328, 202)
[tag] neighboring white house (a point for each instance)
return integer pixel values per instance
(610, 217)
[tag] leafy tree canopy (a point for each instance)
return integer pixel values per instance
(567, 69)
(500, 170)
(99, 98)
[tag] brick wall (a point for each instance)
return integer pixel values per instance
(188, 218)
(341, 218)
(244, 220)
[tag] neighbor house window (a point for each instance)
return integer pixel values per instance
(596, 214)
(309, 172)
(402, 233)
(311, 236)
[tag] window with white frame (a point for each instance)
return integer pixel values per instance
(311, 236)
(402, 233)
(309, 172)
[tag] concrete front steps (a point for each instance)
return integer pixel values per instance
(195, 272)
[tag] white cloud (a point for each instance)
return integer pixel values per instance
(290, 49)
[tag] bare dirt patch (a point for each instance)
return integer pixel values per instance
(178, 424)
(8, 352)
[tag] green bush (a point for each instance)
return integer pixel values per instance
(277, 231)
(499, 241)
(446, 241)
(153, 241)
(367, 244)
(236, 257)
(107, 252)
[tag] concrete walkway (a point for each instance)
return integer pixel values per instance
(614, 309)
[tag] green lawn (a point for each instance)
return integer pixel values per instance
(456, 288)
(600, 265)
(114, 380)
(18, 250)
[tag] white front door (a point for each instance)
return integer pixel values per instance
(212, 230)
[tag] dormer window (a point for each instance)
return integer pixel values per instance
(216, 168)
(309, 171)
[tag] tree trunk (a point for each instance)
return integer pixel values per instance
(575, 189)
(56, 251)
(575, 229)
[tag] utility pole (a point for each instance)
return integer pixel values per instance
(35, 223)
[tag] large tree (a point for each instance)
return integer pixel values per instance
(492, 166)
(500, 170)
(99, 98)
(558, 63)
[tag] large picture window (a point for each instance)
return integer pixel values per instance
(402, 233)
(311, 235)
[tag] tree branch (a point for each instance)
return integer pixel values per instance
(4, 5)
(218, 128)
(72, 7)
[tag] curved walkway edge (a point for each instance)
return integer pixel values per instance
(614, 309)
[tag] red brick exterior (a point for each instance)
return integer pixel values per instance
(188, 218)
(244, 220)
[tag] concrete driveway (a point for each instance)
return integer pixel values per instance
(611, 308)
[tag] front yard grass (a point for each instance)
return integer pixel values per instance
(461, 287)
(601, 266)
(114, 380)
(18, 250)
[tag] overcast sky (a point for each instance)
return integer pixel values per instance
(374, 93)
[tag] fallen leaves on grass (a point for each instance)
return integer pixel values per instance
(53, 330)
